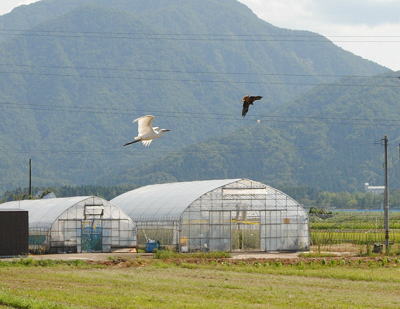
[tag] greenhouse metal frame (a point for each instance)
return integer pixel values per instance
(217, 215)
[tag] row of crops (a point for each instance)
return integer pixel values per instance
(358, 228)
(362, 237)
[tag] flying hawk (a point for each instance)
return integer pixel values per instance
(247, 101)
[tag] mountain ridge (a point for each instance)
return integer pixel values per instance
(79, 142)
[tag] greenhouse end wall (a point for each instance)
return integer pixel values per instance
(244, 216)
(76, 224)
(93, 225)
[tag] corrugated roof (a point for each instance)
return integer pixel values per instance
(46, 211)
(167, 200)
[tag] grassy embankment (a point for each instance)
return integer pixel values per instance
(202, 283)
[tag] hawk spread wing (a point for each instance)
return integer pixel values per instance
(247, 101)
(245, 108)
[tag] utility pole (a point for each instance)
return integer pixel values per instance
(386, 197)
(399, 151)
(30, 178)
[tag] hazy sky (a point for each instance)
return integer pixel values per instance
(333, 18)
(361, 19)
(8, 5)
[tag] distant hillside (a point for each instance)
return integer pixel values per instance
(72, 118)
(329, 139)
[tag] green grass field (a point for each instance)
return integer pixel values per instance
(171, 284)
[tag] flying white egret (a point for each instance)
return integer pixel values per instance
(146, 133)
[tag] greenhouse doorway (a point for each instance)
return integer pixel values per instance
(245, 231)
(92, 236)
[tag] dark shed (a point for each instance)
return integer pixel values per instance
(13, 232)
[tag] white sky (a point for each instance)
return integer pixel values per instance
(330, 18)
(7, 5)
(341, 18)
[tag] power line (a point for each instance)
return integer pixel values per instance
(197, 80)
(66, 151)
(213, 116)
(167, 116)
(194, 34)
(326, 41)
(233, 118)
(120, 69)
(178, 37)
(200, 115)
(141, 151)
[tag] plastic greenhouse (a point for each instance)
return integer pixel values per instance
(217, 215)
(76, 224)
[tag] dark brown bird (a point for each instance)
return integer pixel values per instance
(247, 101)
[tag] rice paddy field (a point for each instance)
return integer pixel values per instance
(359, 220)
(202, 283)
(362, 229)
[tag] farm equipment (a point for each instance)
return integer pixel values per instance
(152, 245)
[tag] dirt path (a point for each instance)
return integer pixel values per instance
(87, 256)
(125, 255)
(263, 255)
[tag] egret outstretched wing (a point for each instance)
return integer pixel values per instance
(147, 143)
(145, 125)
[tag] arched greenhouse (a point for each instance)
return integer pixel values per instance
(76, 224)
(217, 215)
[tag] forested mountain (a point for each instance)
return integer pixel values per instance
(81, 70)
(329, 139)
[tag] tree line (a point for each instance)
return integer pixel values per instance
(309, 197)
